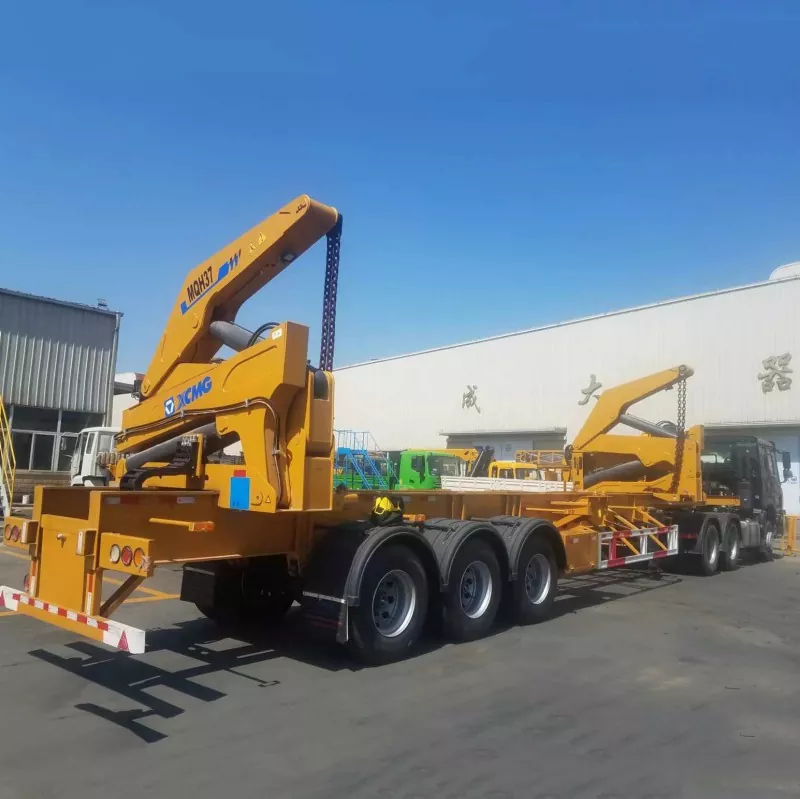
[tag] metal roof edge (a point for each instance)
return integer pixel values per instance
(78, 305)
(738, 425)
(591, 318)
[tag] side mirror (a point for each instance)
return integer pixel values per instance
(787, 466)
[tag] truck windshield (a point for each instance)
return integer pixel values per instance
(444, 466)
(717, 452)
(726, 461)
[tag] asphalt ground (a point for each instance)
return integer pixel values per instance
(638, 689)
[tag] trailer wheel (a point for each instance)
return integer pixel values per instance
(730, 558)
(709, 558)
(473, 595)
(387, 622)
(534, 590)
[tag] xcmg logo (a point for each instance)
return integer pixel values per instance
(187, 397)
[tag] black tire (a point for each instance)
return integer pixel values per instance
(533, 593)
(372, 637)
(470, 603)
(709, 557)
(730, 557)
(765, 552)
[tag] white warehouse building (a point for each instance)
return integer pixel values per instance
(533, 389)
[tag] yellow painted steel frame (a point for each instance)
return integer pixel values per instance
(264, 396)
(75, 532)
(552, 463)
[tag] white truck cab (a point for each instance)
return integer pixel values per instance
(85, 469)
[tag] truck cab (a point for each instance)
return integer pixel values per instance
(744, 470)
(745, 467)
(424, 469)
(512, 470)
(85, 470)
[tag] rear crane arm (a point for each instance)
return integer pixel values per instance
(613, 403)
(215, 289)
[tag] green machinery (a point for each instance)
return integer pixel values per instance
(362, 466)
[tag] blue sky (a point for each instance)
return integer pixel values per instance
(499, 165)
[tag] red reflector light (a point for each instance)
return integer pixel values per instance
(15, 533)
(26, 584)
(127, 556)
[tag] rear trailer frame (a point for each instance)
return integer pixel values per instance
(326, 553)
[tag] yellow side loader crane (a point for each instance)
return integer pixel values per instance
(369, 569)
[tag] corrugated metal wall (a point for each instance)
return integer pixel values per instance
(534, 380)
(54, 355)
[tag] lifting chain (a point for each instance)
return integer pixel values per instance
(329, 297)
(681, 439)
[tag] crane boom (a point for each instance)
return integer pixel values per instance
(217, 287)
(613, 403)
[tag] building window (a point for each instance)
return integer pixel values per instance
(23, 444)
(74, 421)
(26, 418)
(33, 450)
(42, 455)
(44, 438)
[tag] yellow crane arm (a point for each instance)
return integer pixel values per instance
(215, 289)
(613, 403)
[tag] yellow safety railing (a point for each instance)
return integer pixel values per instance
(789, 543)
(8, 461)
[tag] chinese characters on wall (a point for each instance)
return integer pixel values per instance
(590, 390)
(776, 373)
(470, 398)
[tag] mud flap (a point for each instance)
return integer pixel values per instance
(328, 613)
(325, 580)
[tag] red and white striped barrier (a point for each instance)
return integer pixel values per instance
(609, 545)
(111, 633)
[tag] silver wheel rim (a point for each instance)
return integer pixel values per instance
(734, 553)
(768, 538)
(394, 603)
(537, 579)
(475, 589)
(713, 551)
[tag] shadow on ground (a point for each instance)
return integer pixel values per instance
(214, 652)
(217, 652)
